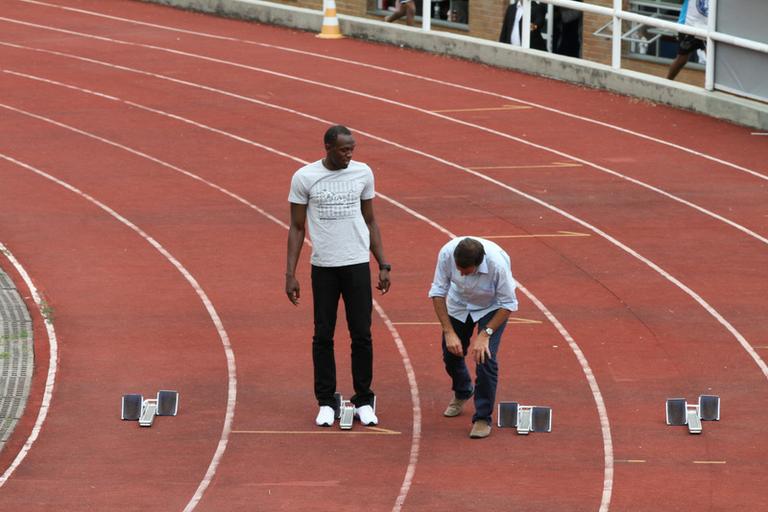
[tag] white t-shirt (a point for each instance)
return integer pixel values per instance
(336, 225)
(694, 13)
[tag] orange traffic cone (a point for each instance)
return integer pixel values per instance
(330, 28)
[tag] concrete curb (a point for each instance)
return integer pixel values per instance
(658, 90)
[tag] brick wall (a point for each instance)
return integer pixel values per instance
(486, 17)
(594, 48)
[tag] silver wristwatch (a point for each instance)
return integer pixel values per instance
(488, 331)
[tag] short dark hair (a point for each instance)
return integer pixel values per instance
(333, 133)
(469, 253)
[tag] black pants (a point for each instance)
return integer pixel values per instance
(353, 283)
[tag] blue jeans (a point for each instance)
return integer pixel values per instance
(487, 373)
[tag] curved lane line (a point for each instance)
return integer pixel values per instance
(415, 76)
(231, 369)
(406, 106)
(597, 395)
(50, 380)
(707, 307)
(410, 373)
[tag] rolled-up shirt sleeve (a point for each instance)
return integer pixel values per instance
(505, 289)
(442, 280)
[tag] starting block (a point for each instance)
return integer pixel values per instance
(136, 407)
(347, 415)
(131, 407)
(679, 412)
(345, 411)
(526, 418)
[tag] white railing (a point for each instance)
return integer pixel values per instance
(618, 14)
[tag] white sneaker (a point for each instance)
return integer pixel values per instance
(366, 415)
(325, 417)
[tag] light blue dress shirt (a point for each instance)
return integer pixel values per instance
(490, 287)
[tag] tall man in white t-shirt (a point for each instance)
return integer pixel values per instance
(334, 197)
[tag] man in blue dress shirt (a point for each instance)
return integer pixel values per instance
(473, 286)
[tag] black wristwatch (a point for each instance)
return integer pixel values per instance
(385, 266)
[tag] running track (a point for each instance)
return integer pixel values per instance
(144, 167)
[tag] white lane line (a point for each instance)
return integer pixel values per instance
(231, 369)
(53, 361)
(416, 437)
(417, 77)
(597, 396)
(704, 304)
(406, 106)
(410, 373)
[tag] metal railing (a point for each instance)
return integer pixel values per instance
(618, 14)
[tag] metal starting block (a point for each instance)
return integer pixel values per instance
(680, 413)
(526, 418)
(136, 407)
(148, 411)
(347, 415)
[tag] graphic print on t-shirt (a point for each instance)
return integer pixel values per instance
(336, 200)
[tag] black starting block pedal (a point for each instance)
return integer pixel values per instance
(131, 407)
(337, 399)
(677, 411)
(167, 403)
(541, 419)
(709, 407)
(506, 415)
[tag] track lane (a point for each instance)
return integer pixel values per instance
(291, 86)
(110, 115)
(86, 320)
(694, 138)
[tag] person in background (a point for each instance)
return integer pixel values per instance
(566, 32)
(511, 28)
(694, 14)
(405, 8)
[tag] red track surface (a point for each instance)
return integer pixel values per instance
(665, 296)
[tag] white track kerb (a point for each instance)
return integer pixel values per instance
(53, 361)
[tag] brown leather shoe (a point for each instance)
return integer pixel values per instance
(480, 429)
(454, 408)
